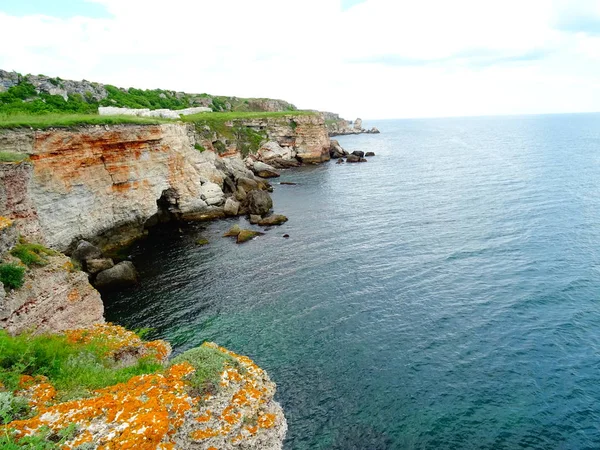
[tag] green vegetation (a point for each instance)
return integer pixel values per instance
(209, 364)
(12, 276)
(70, 120)
(241, 115)
(248, 140)
(74, 369)
(199, 147)
(12, 157)
(151, 98)
(45, 439)
(32, 254)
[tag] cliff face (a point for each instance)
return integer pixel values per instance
(82, 183)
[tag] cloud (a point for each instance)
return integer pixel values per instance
(374, 58)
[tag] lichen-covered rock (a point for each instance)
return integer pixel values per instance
(54, 297)
(8, 235)
(258, 202)
(121, 275)
(233, 231)
(254, 219)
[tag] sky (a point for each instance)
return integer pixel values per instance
(373, 59)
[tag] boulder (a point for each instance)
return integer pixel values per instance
(340, 161)
(335, 150)
(233, 231)
(121, 275)
(212, 194)
(254, 219)
(94, 266)
(264, 170)
(231, 207)
(275, 219)
(263, 184)
(370, 154)
(246, 235)
(279, 163)
(358, 153)
(362, 160)
(373, 130)
(258, 202)
(358, 124)
(85, 251)
(353, 159)
(273, 151)
(247, 184)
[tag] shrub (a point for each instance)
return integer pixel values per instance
(12, 276)
(199, 147)
(12, 157)
(220, 147)
(12, 408)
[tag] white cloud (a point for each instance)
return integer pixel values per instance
(381, 58)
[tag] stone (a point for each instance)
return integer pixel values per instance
(374, 130)
(247, 235)
(231, 207)
(358, 124)
(358, 153)
(233, 231)
(275, 219)
(94, 266)
(264, 170)
(340, 161)
(8, 235)
(369, 154)
(254, 219)
(258, 202)
(121, 275)
(2, 294)
(336, 151)
(353, 159)
(247, 184)
(288, 183)
(362, 160)
(85, 251)
(202, 242)
(279, 163)
(273, 151)
(286, 236)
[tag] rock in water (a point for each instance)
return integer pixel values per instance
(275, 219)
(254, 219)
(358, 153)
(85, 251)
(247, 184)
(233, 231)
(369, 154)
(231, 207)
(258, 202)
(246, 235)
(353, 159)
(94, 266)
(121, 275)
(202, 242)
(264, 170)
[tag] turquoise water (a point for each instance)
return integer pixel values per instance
(443, 295)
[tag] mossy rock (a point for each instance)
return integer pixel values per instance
(233, 231)
(202, 242)
(247, 235)
(275, 219)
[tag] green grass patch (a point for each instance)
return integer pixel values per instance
(74, 369)
(44, 439)
(12, 157)
(199, 147)
(209, 364)
(12, 276)
(242, 115)
(45, 121)
(32, 254)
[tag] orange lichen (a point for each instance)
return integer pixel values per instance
(5, 222)
(204, 417)
(266, 421)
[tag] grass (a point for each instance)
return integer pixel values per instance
(240, 115)
(209, 364)
(58, 120)
(12, 276)
(32, 254)
(73, 368)
(12, 157)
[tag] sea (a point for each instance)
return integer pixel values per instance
(443, 295)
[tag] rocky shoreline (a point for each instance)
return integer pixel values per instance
(88, 191)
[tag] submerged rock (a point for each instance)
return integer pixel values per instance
(121, 275)
(202, 242)
(275, 219)
(254, 219)
(370, 154)
(353, 159)
(258, 202)
(247, 235)
(233, 231)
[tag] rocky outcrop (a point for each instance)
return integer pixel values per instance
(85, 182)
(54, 297)
(336, 126)
(258, 203)
(121, 275)
(145, 112)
